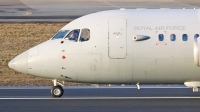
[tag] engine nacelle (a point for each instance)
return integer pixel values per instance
(193, 84)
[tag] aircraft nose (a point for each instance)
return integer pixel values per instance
(11, 64)
(20, 63)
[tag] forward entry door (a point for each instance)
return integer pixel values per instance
(117, 38)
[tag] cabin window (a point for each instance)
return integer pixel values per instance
(196, 35)
(173, 37)
(161, 37)
(73, 35)
(60, 34)
(85, 35)
(185, 37)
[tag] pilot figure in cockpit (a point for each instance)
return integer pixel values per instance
(74, 36)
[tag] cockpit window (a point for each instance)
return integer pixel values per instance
(60, 34)
(73, 35)
(85, 35)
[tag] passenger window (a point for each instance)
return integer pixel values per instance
(185, 37)
(85, 35)
(173, 37)
(196, 35)
(73, 35)
(161, 37)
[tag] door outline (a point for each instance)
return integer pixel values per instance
(116, 34)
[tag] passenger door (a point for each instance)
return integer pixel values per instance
(117, 38)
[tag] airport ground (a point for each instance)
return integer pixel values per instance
(105, 99)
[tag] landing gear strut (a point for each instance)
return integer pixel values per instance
(57, 90)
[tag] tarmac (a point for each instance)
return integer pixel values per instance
(106, 99)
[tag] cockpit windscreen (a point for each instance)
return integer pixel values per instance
(73, 35)
(60, 34)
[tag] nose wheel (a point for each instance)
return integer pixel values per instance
(56, 90)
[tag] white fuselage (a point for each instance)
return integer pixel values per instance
(113, 56)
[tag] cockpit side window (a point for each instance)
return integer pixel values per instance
(73, 35)
(85, 35)
(60, 34)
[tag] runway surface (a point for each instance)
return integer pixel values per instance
(68, 10)
(88, 99)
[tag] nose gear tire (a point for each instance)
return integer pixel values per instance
(57, 91)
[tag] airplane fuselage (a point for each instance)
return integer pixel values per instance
(113, 56)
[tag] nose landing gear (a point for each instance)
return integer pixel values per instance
(57, 90)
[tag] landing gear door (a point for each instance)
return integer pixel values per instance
(117, 38)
